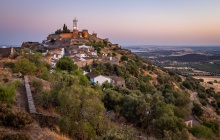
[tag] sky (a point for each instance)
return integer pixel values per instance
(125, 22)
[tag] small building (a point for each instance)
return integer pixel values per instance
(6, 52)
(84, 46)
(118, 81)
(98, 79)
(113, 60)
(188, 121)
(57, 53)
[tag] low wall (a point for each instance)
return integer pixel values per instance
(66, 35)
(30, 100)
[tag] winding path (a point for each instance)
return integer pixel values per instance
(207, 108)
(195, 120)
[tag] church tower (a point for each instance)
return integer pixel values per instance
(75, 26)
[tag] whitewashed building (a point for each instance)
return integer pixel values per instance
(98, 79)
(84, 46)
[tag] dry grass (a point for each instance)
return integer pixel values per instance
(207, 79)
(35, 132)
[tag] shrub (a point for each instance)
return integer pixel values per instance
(66, 64)
(13, 119)
(5, 79)
(38, 85)
(25, 66)
(46, 99)
(120, 133)
(197, 110)
(202, 131)
(7, 93)
(212, 125)
(9, 65)
(214, 104)
(203, 102)
(52, 40)
(14, 137)
(124, 58)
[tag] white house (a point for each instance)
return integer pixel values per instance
(84, 46)
(81, 55)
(98, 79)
(102, 79)
(94, 53)
(57, 53)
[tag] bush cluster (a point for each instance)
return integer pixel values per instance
(14, 120)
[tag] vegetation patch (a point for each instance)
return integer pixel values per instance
(14, 137)
(13, 119)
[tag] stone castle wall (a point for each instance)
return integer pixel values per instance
(75, 33)
(85, 34)
(66, 35)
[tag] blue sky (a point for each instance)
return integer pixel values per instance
(126, 22)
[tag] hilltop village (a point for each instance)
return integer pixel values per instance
(83, 48)
(75, 85)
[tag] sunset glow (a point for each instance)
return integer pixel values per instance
(126, 22)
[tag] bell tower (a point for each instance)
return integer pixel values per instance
(75, 24)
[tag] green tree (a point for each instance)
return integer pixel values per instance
(65, 29)
(37, 84)
(197, 110)
(58, 31)
(80, 106)
(25, 66)
(132, 83)
(7, 93)
(9, 65)
(66, 64)
(112, 100)
(124, 58)
(212, 125)
(134, 108)
(202, 131)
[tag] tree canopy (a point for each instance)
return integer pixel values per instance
(66, 64)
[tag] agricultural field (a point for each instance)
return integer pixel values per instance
(208, 67)
(210, 81)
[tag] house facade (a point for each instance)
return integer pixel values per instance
(98, 79)
(101, 79)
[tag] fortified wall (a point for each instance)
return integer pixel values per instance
(74, 34)
(66, 35)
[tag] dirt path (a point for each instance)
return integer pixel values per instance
(20, 99)
(208, 108)
(192, 99)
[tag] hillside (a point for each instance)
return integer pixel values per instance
(147, 101)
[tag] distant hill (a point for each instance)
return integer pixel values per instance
(9, 46)
(190, 58)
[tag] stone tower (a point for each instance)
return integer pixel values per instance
(75, 26)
